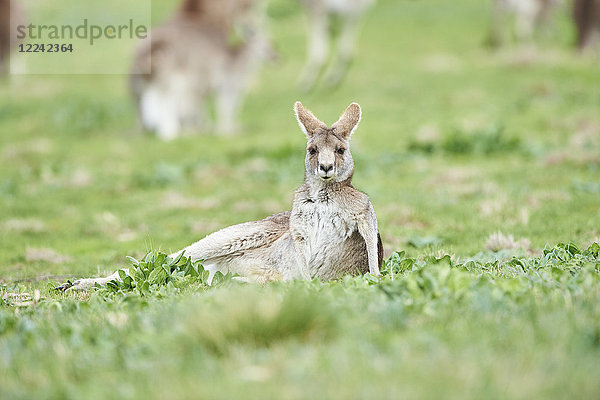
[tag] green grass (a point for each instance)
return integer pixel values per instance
(456, 143)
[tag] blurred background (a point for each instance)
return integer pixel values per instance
(480, 130)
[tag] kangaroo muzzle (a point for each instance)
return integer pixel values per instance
(326, 171)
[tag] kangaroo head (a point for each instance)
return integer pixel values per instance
(328, 157)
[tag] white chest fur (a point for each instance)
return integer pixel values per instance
(325, 227)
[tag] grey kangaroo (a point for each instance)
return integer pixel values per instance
(11, 15)
(330, 231)
(209, 48)
(586, 14)
(321, 14)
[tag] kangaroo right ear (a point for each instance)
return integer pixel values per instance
(307, 121)
(348, 121)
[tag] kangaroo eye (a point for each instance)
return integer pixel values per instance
(341, 150)
(312, 151)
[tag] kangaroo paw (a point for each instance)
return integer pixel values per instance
(64, 286)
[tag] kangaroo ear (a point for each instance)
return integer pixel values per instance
(307, 121)
(348, 122)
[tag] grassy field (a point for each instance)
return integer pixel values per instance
(456, 144)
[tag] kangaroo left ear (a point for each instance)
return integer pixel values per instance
(348, 122)
(309, 124)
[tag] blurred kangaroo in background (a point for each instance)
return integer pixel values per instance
(331, 230)
(210, 47)
(320, 15)
(6, 41)
(586, 14)
(529, 16)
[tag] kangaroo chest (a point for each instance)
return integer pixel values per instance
(327, 223)
(324, 226)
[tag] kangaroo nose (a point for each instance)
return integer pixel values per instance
(325, 168)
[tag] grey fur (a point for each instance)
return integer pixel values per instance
(331, 230)
(194, 56)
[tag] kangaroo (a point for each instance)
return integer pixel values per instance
(210, 47)
(11, 15)
(529, 15)
(586, 14)
(320, 13)
(330, 231)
